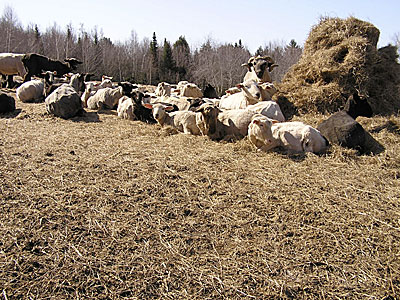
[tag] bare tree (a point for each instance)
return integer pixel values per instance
(10, 31)
(140, 60)
(284, 55)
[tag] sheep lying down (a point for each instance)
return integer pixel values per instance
(184, 121)
(266, 134)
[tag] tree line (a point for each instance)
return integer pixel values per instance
(146, 61)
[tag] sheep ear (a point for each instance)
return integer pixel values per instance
(274, 121)
(148, 105)
(169, 108)
(256, 122)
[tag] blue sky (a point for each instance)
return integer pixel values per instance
(255, 22)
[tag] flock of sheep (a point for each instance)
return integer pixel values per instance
(245, 110)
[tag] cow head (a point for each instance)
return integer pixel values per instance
(72, 63)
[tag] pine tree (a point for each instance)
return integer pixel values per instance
(293, 44)
(259, 51)
(154, 69)
(168, 66)
(38, 43)
(181, 55)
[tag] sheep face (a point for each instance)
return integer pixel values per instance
(261, 66)
(260, 128)
(207, 122)
(251, 90)
(267, 90)
(159, 113)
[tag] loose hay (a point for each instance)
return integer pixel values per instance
(104, 208)
(340, 57)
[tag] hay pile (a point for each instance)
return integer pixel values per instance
(339, 58)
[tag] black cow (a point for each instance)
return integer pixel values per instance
(341, 128)
(36, 64)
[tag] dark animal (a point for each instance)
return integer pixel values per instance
(35, 64)
(127, 88)
(142, 113)
(341, 128)
(195, 103)
(88, 76)
(7, 103)
(209, 92)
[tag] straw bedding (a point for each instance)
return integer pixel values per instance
(103, 208)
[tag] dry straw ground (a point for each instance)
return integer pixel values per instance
(103, 208)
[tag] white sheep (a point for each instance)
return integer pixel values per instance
(184, 121)
(269, 109)
(125, 108)
(293, 136)
(250, 94)
(163, 89)
(105, 98)
(224, 124)
(34, 90)
(31, 91)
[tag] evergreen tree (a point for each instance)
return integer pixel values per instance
(293, 44)
(259, 51)
(154, 69)
(181, 55)
(38, 43)
(168, 66)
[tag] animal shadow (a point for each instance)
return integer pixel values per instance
(390, 126)
(11, 115)
(87, 117)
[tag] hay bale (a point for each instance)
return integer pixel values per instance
(340, 57)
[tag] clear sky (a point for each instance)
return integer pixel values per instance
(255, 22)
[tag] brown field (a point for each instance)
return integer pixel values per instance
(103, 208)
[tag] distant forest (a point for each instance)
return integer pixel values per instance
(146, 61)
